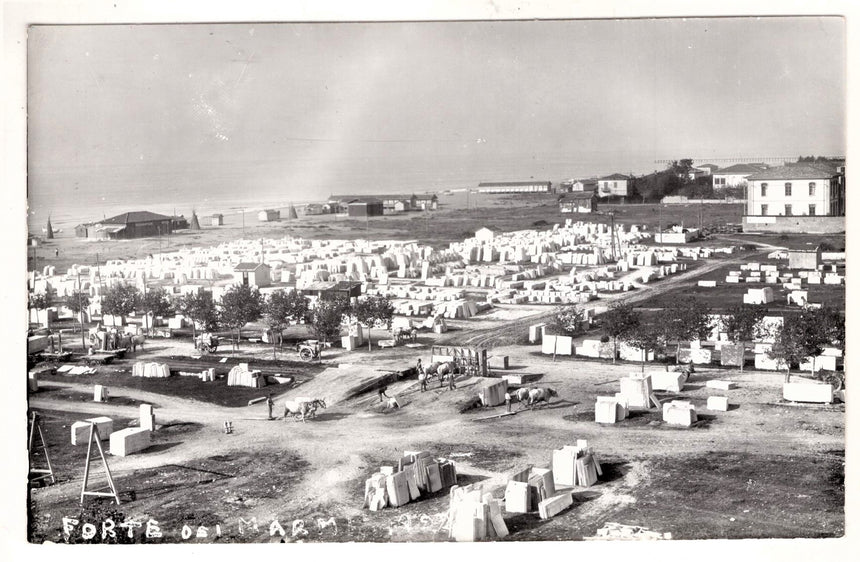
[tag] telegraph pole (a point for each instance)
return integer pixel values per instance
(81, 314)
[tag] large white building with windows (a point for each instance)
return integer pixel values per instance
(797, 190)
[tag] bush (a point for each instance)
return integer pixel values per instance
(604, 339)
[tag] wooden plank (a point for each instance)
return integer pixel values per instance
(495, 416)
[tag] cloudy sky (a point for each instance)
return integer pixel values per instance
(332, 108)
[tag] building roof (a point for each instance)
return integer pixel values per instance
(794, 172)
(429, 196)
(512, 183)
(615, 177)
(576, 195)
(135, 217)
(248, 266)
(711, 167)
(739, 170)
(354, 198)
(365, 201)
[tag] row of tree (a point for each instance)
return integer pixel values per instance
(237, 307)
(801, 335)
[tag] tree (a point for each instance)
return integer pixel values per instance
(156, 302)
(280, 308)
(742, 324)
(648, 335)
(832, 321)
(39, 301)
(77, 302)
(199, 307)
(327, 317)
(569, 319)
(620, 321)
(804, 336)
(686, 319)
(373, 310)
(120, 300)
(239, 305)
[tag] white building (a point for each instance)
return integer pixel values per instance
(794, 190)
(735, 175)
(614, 185)
(515, 187)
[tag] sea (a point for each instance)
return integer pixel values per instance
(79, 194)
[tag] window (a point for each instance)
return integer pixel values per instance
(812, 209)
(811, 189)
(788, 189)
(764, 209)
(788, 210)
(764, 190)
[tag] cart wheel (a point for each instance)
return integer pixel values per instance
(837, 382)
(306, 354)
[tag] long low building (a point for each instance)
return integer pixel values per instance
(515, 187)
(134, 224)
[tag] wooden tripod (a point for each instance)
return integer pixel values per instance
(94, 435)
(38, 474)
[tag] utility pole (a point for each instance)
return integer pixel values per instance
(243, 222)
(81, 314)
(612, 232)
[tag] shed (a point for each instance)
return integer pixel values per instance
(578, 202)
(427, 202)
(365, 208)
(216, 220)
(253, 274)
(267, 215)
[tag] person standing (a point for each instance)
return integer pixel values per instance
(451, 385)
(381, 392)
(422, 376)
(508, 400)
(270, 404)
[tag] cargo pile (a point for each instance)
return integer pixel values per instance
(474, 515)
(619, 532)
(241, 375)
(150, 370)
(575, 465)
(416, 473)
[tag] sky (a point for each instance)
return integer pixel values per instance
(200, 112)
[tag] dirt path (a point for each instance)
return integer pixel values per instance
(644, 292)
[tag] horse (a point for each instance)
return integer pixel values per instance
(540, 395)
(437, 369)
(314, 405)
(302, 408)
(522, 395)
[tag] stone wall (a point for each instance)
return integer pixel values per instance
(798, 224)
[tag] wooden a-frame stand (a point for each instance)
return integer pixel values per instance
(38, 474)
(94, 434)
